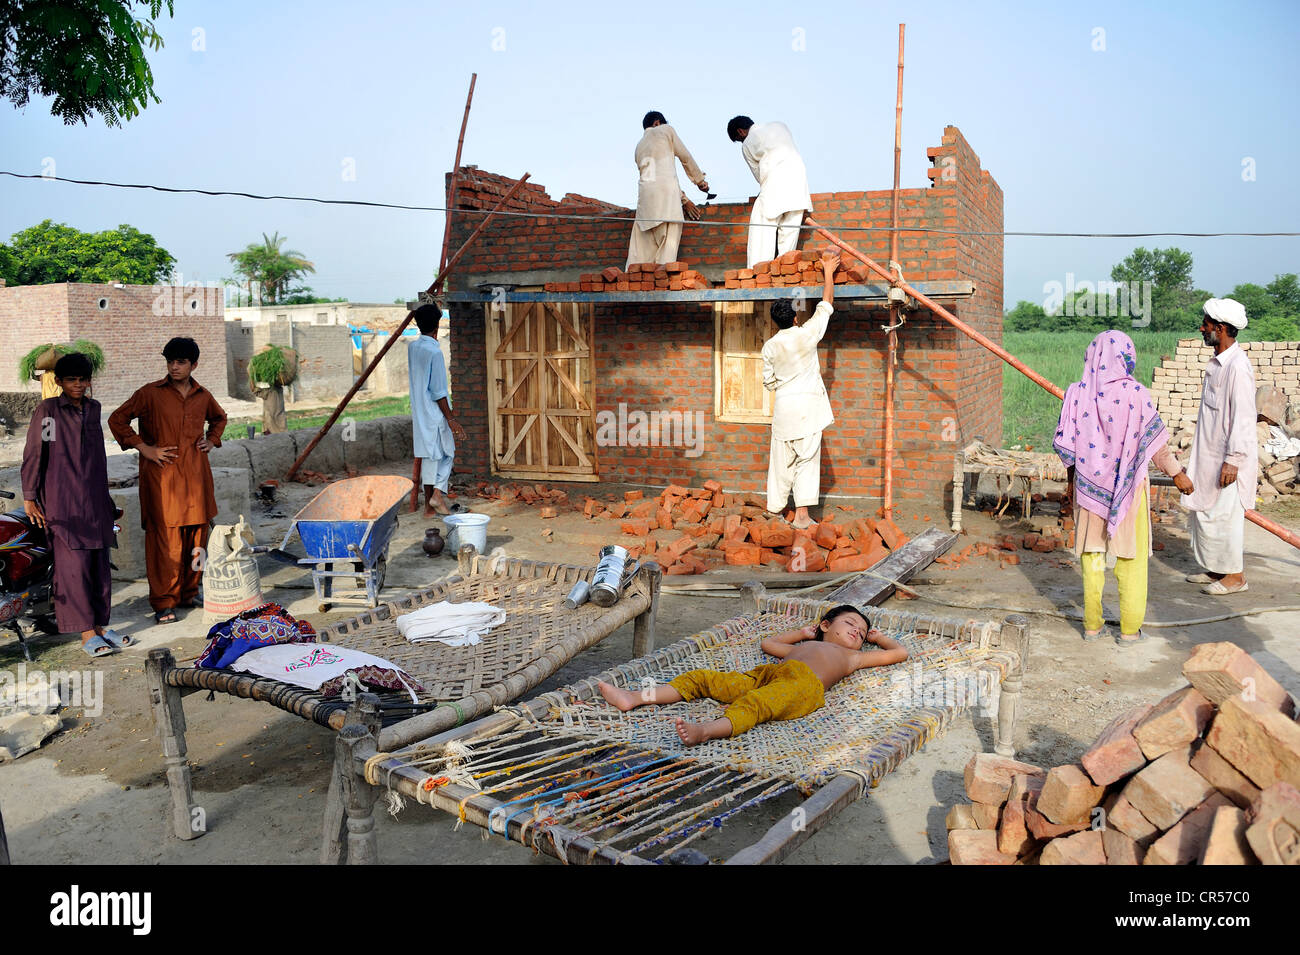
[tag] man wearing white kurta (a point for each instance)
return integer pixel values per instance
(657, 231)
(800, 409)
(783, 195)
(1224, 464)
(434, 428)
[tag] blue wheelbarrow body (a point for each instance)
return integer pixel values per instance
(345, 530)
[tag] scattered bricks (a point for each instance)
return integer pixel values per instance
(1221, 670)
(694, 530)
(664, 518)
(689, 515)
(1221, 775)
(844, 565)
(768, 555)
(1120, 849)
(549, 512)
(710, 555)
(1068, 795)
(1006, 542)
(777, 535)
(650, 545)
(1028, 541)
(816, 560)
(592, 508)
(679, 568)
(1273, 801)
(1082, 848)
(1040, 827)
(1044, 545)
(1274, 825)
(824, 535)
(705, 540)
(744, 554)
(1226, 843)
(635, 528)
(643, 509)
(1184, 843)
(719, 500)
(1011, 559)
(1116, 753)
(716, 526)
(976, 847)
(731, 528)
(960, 816)
(617, 511)
(988, 776)
(676, 490)
(682, 545)
(1122, 816)
(987, 815)
(890, 534)
(1013, 832)
(875, 554)
(1175, 721)
(1168, 789)
(1259, 741)
(633, 495)
(698, 492)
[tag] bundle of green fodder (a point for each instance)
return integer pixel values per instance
(42, 358)
(274, 364)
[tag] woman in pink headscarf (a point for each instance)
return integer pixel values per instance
(1108, 435)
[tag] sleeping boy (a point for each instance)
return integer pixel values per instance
(813, 659)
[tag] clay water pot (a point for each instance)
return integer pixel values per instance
(433, 542)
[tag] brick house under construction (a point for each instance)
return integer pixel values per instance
(666, 386)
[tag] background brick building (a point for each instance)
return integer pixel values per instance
(662, 355)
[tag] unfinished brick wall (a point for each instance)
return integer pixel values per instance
(1177, 381)
(660, 357)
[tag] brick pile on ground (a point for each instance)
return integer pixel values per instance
(551, 500)
(793, 268)
(693, 530)
(1208, 775)
(639, 277)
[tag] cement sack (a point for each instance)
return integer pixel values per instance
(231, 583)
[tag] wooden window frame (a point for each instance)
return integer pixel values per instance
(721, 310)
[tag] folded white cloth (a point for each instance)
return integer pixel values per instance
(457, 625)
(306, 664)
(1281, 446)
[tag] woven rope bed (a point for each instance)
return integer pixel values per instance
(538, 637)
(570, 775)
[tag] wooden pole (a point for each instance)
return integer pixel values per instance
(446, 240)
(1290, 536)
(891, 356)
(431, 290)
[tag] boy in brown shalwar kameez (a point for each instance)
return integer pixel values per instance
(177, 501)
(65, 492)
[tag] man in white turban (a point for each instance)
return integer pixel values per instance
(783, 195)
(1224, 465)
(660, 205)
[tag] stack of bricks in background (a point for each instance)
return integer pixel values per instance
(793, 269)
(661, 355)
(639, 277)
(1177, 382)
(706, 527)
(1207, 775)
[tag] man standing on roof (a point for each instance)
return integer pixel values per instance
(1224, 465)
(660, 204)
(783, 195)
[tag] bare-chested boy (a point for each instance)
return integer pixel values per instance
(813, 660)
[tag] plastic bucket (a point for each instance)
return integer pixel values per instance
(465, 529)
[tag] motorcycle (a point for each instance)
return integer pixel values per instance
(27, 574)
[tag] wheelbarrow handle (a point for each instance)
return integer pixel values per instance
(275, 553)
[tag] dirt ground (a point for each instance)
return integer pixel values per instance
(95, 793)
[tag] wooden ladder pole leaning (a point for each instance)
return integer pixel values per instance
(446, 239)
(891, 355)
(433, 289)
(1274, 528)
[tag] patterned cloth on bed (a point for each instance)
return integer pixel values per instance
(262, 626)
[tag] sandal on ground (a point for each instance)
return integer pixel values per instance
(1217, 589)
(1141, 635)
(1105, 631)
(165, 616)
(118, 640)
(1199, 579)
(97, 646)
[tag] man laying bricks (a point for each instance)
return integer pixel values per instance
(800, 409)
(783, 195)
(657, 232)
(813, 659)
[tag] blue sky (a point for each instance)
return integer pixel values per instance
(1148, 133)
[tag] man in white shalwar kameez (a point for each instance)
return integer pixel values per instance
(660, 205)
(434, 428)
(800, 409)
(783, 195)
(1224, 464)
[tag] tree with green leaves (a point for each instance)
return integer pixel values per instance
(54, 252)
(1175, 303)
(270, 269)
(89, 55)
(1273, 310)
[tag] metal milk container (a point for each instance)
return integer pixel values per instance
(607, 583)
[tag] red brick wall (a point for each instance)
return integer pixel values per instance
(661, 357)
(29, 316)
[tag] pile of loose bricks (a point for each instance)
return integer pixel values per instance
(706, 528)
(794, 268)
(1208, 775)
(639, 277)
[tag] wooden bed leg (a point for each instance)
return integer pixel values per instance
(333, 851)
(958, 488)
(355, 743)
(643, 628)
(169, 716)
(754, 591)
(1015, 637)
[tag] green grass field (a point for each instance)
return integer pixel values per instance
(1029, 414)
(357, 410)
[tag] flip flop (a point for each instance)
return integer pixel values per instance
(1105, 631)
(1141, 636)
(97, 646)
(165, 616)
(118, 640)
(1217, 589)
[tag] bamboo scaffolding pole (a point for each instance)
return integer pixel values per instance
(392, 339)
(446, 240)
(1274, 528)
(891, 356)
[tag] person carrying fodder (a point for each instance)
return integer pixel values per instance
(268, 372)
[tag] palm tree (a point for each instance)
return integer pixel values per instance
(271, 268)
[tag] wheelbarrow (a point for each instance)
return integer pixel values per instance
(345, 530)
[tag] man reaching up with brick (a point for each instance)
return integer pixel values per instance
(783, 195)
(657, 232)
(800, 408)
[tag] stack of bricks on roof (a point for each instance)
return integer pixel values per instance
(660, 355)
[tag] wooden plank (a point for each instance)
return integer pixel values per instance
(795, 829)
(877, 291)
(916, 554)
